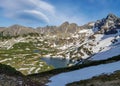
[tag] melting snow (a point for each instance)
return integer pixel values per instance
(107, 54)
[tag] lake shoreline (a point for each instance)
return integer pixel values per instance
(56, 62)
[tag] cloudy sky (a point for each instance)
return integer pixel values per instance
(54, 12)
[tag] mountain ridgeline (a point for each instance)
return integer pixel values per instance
(18, 30)
(106, 25)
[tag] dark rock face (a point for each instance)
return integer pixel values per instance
(111, 31)
(9, 76)
(108, 25)
(6, 80)
(111, 17)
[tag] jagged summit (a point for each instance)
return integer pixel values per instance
(108, 24)
(111, 16)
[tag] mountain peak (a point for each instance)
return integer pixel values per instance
(65, 23)
(111, 16)
(16, 26)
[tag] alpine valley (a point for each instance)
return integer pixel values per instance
(88, 46)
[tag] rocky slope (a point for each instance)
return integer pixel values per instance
(11, 77)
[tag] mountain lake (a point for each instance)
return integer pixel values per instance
(56, 62)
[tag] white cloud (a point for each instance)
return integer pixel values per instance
(39, 11)
(44, 5)
(39, 8)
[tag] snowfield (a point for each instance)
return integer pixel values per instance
(108, 49)
(82, 74)
(114, 51)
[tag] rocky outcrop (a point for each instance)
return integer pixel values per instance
(108, 25)
(65, 27)
(48, 30)
(6, 80)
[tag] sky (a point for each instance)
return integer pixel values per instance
(34, 13)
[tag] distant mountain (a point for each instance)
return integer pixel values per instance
(2, 28)
(16, 30)
(108, 25)
(64, 28)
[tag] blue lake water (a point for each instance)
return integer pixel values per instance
(56, 62)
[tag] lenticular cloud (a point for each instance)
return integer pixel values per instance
(37, 9)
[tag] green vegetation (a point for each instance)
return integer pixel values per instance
(31, 34)
(2, 37)
(22, 56)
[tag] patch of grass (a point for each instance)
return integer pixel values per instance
(22, 55)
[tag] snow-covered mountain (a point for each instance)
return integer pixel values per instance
(108, 25)
(100, 42)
